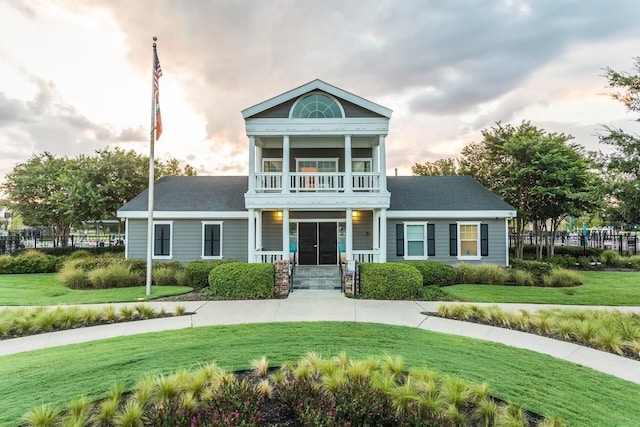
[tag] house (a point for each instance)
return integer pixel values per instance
(317, 193)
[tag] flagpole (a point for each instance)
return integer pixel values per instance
(152, 141)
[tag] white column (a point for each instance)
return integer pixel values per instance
(349, 237)
(285, 234)
(348, 172)
(251, 255)
(506, 243)
(383, 164)
(376, 229)
(252, 165)
(383, 236)
(286, 181)
(258, 219)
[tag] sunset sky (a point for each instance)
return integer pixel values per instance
(76, 75)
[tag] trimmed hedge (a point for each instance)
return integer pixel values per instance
(68, 250)
(29, 262)
(239, 280)
(435, 273)
(198, 272)
(391, 280)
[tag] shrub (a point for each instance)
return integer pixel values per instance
(561, 277)
(611, 258)
(435, 273)
(241, 280)
(490, 274)
(464, 273)
(30, 261)
(390, 280)
(115, 276)
(166, 273)
(522, 278)
(537, 268)
(74, 277)
(198, 272)
(634, 261)
(563, 261)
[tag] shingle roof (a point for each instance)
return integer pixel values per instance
(226, 193)
(194, 193)
(435, 193)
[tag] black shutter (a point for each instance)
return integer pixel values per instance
(484, 239)
(431, 240)
(400, 239)
(453, 239)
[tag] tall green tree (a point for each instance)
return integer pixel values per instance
(61, 192)
(446, 166)
(540, 174)
(622, 166)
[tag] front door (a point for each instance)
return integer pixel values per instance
(317, 243)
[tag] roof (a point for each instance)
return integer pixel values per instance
(193, 193)
(408, 193)
(309, 87)
(435, 193)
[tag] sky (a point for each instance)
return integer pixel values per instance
(75, 75)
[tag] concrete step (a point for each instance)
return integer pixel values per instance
(317, 277)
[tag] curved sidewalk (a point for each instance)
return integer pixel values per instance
(333, 306)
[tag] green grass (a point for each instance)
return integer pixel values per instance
(599, 288)
(578, 395)
(47, 289)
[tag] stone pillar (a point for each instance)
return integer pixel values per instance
(281, 268)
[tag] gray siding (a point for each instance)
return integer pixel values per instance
(186, 245)
(363, 231)
(497, 239)
(271, 231)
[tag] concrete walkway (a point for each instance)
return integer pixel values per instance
(333, 306)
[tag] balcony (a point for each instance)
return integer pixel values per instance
(272, 182)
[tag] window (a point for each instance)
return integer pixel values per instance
(415, 240)
(162, 236)
(361, 165)
(212, 240)
(272, 165)
(469, 240)
(316, 106)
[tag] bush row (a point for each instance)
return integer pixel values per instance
(29, 262)
(240, 280)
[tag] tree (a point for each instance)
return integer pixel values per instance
(622, 167)
(538, 173)
(62, 192)
(446, 166)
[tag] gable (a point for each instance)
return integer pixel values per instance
(279, 106)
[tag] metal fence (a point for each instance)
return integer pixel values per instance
(14, 241)
(622, 242)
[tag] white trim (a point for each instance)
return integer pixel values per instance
(424, 255)
(186, 214)
(506, 243)
(204, 224)
(356, 126)
(170, 224)
(468, 257)
(126, 238)
(318, 200)
(453, 214)
(309, 87)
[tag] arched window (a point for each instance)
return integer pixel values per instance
(316, 106)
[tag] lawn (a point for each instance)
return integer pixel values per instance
(580, 396)
(47, 289)
(599, 288)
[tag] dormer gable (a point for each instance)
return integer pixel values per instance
(333, 102)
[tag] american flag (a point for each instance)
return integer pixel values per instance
(157, 73)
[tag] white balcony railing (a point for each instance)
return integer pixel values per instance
(268, 257)
(316, 181)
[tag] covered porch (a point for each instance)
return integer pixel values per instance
(309, 237)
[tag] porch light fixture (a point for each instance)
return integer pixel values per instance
(354, 214)
(279, 214)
